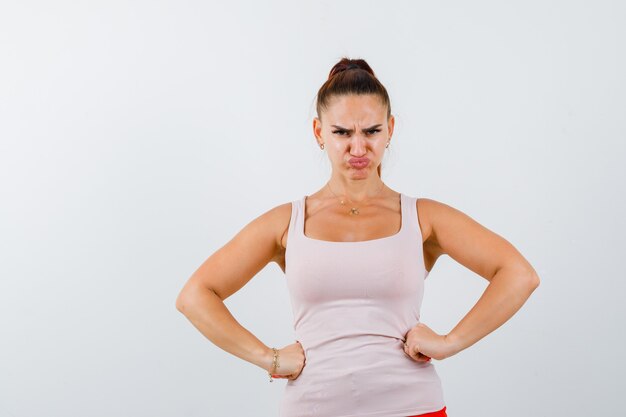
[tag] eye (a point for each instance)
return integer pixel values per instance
(371, 131)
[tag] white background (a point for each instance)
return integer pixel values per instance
(136, 138)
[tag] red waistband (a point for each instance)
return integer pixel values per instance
(440, 413)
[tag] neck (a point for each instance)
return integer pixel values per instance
(356, 190)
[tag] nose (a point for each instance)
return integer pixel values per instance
(358, 145)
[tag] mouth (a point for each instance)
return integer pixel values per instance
(359, 162)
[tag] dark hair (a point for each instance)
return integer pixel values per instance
(351, 76)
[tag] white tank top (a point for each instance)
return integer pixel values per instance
(353, 303)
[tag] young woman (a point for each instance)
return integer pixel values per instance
(356, 254)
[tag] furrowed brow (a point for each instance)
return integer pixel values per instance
(352, 130)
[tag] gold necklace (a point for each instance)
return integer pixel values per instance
(354, 210)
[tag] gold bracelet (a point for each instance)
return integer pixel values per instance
(275, 364)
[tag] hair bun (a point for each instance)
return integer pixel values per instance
(348, 64)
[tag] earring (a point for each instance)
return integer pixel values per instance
(322, 146)
(386, 146)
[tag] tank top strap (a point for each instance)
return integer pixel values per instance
(295, 225)
(410, 216)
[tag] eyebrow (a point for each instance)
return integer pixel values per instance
(352, 130)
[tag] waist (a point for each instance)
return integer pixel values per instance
(359, 354)
(371, 379)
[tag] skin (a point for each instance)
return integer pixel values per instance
(445, 230)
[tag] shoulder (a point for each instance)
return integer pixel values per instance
(275, 222)
(443, 225)
(277, 217)
(430, 212)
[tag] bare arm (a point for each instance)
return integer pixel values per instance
(208, 313)
(224, 273)
(511, 278)
(504, 296)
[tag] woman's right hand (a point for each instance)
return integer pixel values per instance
(291, 360)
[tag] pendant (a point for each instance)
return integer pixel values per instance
(353, 210)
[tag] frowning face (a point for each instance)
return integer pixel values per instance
(354, 130)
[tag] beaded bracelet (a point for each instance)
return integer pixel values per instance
(275, 364)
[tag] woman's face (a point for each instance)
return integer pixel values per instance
(355, 131)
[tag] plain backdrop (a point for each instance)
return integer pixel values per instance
(138, 137)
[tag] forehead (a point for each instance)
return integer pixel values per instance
(352, 108)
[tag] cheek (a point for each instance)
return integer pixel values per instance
(338, 148)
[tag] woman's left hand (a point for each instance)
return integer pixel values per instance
(422, 344)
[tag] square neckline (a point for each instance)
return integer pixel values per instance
(403, 221)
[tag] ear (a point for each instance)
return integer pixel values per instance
(390, 123)
(317, 130)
